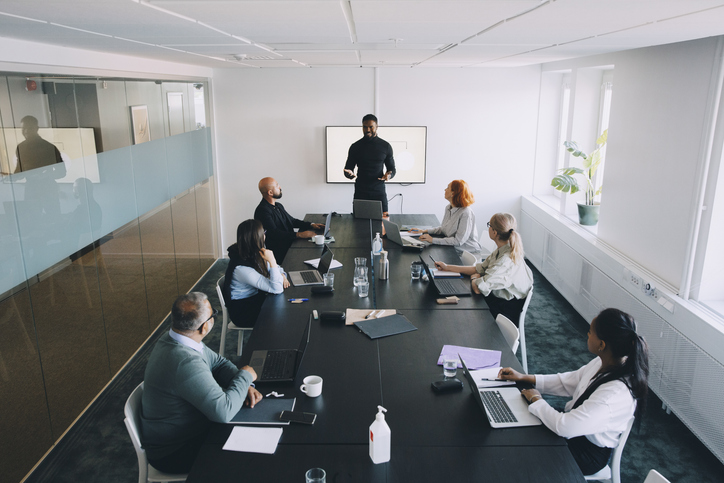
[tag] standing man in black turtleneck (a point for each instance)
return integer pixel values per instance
(370, 155)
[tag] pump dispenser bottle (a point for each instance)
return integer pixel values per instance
(380, 437)
(377, 245)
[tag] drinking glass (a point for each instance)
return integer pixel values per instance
(364, 288)
(316, 475)
(328, 280)
(450, 366)
(359, 262)
(360, 275)
(416, 270)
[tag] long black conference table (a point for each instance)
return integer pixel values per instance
(435, 437)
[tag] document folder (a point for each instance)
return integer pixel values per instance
(385, 326)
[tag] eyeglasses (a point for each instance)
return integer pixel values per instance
(213, 314)
(488, 224)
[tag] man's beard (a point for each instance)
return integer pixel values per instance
(279, 196)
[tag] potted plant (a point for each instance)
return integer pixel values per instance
(566, 181)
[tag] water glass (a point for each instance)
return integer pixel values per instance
(416, 270)
(364, 288)
(450, 366)
(316, 475)
(359, 263)
(328, 280)
(360, 275)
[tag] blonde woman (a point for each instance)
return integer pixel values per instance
(503, 278)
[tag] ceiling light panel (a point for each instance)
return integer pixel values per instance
(566, 20)
(430, 21)
(270, 21)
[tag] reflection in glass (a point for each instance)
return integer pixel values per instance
(123, 292)
(159, 262)
(206, 215)
(186, 240)
(25, 419)
(71, 338)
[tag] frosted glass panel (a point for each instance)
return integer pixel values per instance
(12, 272)
(117, 183)
(182, 154)
(150, 174)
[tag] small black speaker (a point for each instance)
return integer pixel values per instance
(332, 316)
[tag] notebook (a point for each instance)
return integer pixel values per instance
(280, 365)
(265, 412)
(367, 209)
(385, 326)
(393, 234)
(505, 407)
(313, 277)
(448, 286)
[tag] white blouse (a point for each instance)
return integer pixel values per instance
(601, 418)
(502, 277)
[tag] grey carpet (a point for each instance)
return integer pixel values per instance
(97, 448)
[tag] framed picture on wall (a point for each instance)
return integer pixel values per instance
(139, 120)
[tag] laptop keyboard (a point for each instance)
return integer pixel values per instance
(445, 285)
(411, 240)
(279, 364)
(497, 407)
(309, 276)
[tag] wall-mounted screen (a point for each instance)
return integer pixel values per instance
(409, 147)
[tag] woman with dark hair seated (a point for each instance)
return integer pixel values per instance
(251, 274)
(503, 278)
(606, 393)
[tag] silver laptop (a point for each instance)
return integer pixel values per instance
(367, 209)
(393, 233)
(313, 277)
(505, 407)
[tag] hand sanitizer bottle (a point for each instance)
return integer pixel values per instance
(377, 245)
(380, 437)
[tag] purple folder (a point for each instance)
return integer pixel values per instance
(474, 358)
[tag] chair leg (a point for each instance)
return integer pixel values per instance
(222, 344)
(240, 343)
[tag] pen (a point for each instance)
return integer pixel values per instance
(492, 379)
(433, 260)
(379, 314)
(370, 314)
(296, 301)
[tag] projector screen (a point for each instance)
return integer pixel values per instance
(409, 147)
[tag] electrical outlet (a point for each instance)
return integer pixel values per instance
(633, 279)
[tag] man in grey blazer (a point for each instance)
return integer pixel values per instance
(187, 386)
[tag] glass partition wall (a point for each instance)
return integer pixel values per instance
(107, 215)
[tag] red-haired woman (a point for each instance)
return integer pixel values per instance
(458, 224)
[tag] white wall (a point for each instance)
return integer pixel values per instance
(655, 149)
(481, 127)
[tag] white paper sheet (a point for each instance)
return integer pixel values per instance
(315, 263)
(253, 440)
(481, 375)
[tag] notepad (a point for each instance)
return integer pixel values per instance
(385, 326)
(482, 377)
(248, 439)
(265, 412)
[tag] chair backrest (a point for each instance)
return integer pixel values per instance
(468, 258)
(222, 301)
(521, 320)
(509, 330)
(655, 477)
(132, 411)
(618, 451)
(521, 329)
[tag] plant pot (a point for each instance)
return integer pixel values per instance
(588, 214)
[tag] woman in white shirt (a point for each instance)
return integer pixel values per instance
(503, 278)
(606, 393)
(458, 223)
(252, 273)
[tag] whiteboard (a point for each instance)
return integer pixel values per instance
(409, 148)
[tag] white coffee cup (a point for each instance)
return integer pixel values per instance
(312, 386)
(318, 239)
